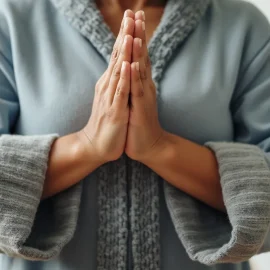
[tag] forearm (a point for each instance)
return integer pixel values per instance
(71, 159)
(189, 167)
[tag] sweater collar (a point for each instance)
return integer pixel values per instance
(137, 202)
(180, 18)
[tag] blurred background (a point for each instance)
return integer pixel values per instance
(264, 5)
(261, 262)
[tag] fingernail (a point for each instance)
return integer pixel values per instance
(126, 13)
(143, 15)
(143, 26)
(126, 23)
(138, 66)
(140, 42)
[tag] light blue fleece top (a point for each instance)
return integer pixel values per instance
(215, 88)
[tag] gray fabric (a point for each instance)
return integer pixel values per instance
(23, 165)
(182, 18)
(113, 220)
(144, 217)
(114, 212)
(212, 237)
(58, 47)
(172, 31)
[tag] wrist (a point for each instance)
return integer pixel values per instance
(86, 150)
(161, 149)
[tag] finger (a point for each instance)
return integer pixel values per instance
(140, 15)
(122, 92)
(128, 14)
(140, 33)
(127, 28)
(137, 90)
(125, 55)
(138, 56)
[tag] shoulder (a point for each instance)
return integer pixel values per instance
(14, 6)
(239, 24)
(22, 22)
(19, 17)
(22, 11)
(242, 15)
(240, 12)
(242, 7)
(22, 4)
(247, 38)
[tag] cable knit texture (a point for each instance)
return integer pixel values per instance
(143, 214)
(208, 235)
(23, 165)
(113, 219)
(183, 17)
(212, 237)
(128, 197)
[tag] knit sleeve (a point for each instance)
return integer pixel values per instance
(29, 228)
(208, 235)
(23, 164)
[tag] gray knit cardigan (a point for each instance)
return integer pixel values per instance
(209, 236)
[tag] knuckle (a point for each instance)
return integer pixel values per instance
(103, 98)
(139, 93)
(123, 51)
(113, 115)
(115, 54)
(116, 71)
(143, 75)
(110, 113)
(123, 76)
(121, 92)
(137, 79)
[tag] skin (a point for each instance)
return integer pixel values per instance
(112, 12)
(115, 126)
(74, 156)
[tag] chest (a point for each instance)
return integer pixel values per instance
(56, 87)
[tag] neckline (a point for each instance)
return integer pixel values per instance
(179, 19)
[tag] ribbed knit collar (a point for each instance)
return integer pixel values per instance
(129, 191)
(180, 18)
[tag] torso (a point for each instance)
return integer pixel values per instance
(57, 88)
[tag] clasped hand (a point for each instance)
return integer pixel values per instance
(124, 114)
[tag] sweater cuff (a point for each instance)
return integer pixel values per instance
(31, 229)
(210, 236)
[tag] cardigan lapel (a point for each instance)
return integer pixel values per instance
(179, 20)
(84, 16)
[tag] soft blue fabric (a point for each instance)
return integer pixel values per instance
(216, 88)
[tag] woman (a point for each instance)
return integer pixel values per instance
(122, 164)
